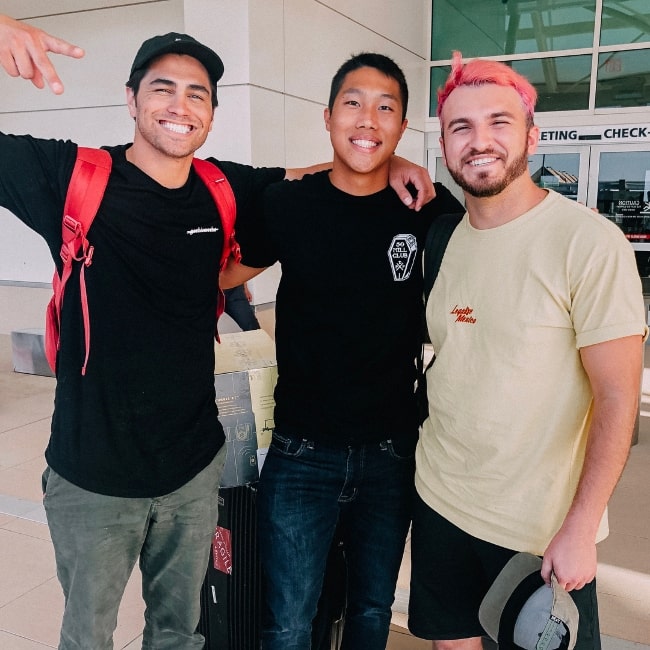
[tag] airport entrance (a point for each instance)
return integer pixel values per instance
(604, 167)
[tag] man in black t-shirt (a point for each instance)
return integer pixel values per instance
(348, 332)
(136, 449)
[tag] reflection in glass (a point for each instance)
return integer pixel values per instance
(438, 77)
(623, 79)
(558, 172)
(624, 192)
(625, 22)
(562, 83)
(493, 28)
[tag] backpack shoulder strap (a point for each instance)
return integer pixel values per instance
(224, 197)
(85, 192)
(86, 189)
(435, 245)
(438, 237)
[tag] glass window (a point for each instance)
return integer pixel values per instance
(482, 28)
(438, 77)
(559, 171)
(623, 79)
(562, 83)
(624, 192)
(625, 21)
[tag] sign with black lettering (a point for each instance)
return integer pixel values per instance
(604, 133)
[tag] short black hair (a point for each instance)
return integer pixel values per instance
(371, 60)
(137, 75)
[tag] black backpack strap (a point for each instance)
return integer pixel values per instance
(435, 245)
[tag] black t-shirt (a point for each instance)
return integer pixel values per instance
(143, 419)
(349, 307)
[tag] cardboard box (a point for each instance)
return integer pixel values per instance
(245, 378)
(28, 352)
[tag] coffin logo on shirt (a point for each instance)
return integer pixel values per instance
(401, 254)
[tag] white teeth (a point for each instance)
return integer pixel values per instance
(482, 161)
(176, 128)
(366, 144)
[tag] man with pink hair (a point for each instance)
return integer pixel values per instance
(537, 320)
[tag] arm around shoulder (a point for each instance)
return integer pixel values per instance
(235, 274)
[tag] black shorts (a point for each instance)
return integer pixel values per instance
(451, 572)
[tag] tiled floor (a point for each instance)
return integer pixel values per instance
(31, 601)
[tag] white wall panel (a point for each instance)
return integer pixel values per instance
(404, 22)
(24, 255)
(111, 38)
(31, 8)
(91, 127)
(268, 128)
(22, 307)
(230, 138)
(267, 44)
(307, 140)
(223, 26)
(310, 67)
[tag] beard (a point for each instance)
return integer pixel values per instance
(484, 186)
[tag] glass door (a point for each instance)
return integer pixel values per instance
(619, 186)
(562, 168)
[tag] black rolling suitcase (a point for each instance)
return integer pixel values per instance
(232, 592)
(231, 595)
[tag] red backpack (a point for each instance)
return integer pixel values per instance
(85, 192)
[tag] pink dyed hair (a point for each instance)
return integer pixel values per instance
(479, 72)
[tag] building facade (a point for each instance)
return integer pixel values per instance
(589, 59)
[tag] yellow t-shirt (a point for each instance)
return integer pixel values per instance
(509, 401)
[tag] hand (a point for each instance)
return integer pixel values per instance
(23, 53)
(572, 558)
(403, 172)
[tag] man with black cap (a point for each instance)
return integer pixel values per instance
(136, 449)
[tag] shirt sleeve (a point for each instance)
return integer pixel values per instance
(607, 296)
(249, 185)
(257, 247)
(445, 201)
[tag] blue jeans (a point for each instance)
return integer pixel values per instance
(239, 309)
(306, 490)
(97, 541)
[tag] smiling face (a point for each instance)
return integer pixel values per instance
(173, 111)
(486, 139)
(365, 126)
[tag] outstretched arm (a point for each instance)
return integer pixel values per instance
(235, 274)
(402, 173)
(614, 371)
(24, 53)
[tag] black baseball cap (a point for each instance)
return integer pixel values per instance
(174, 43)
